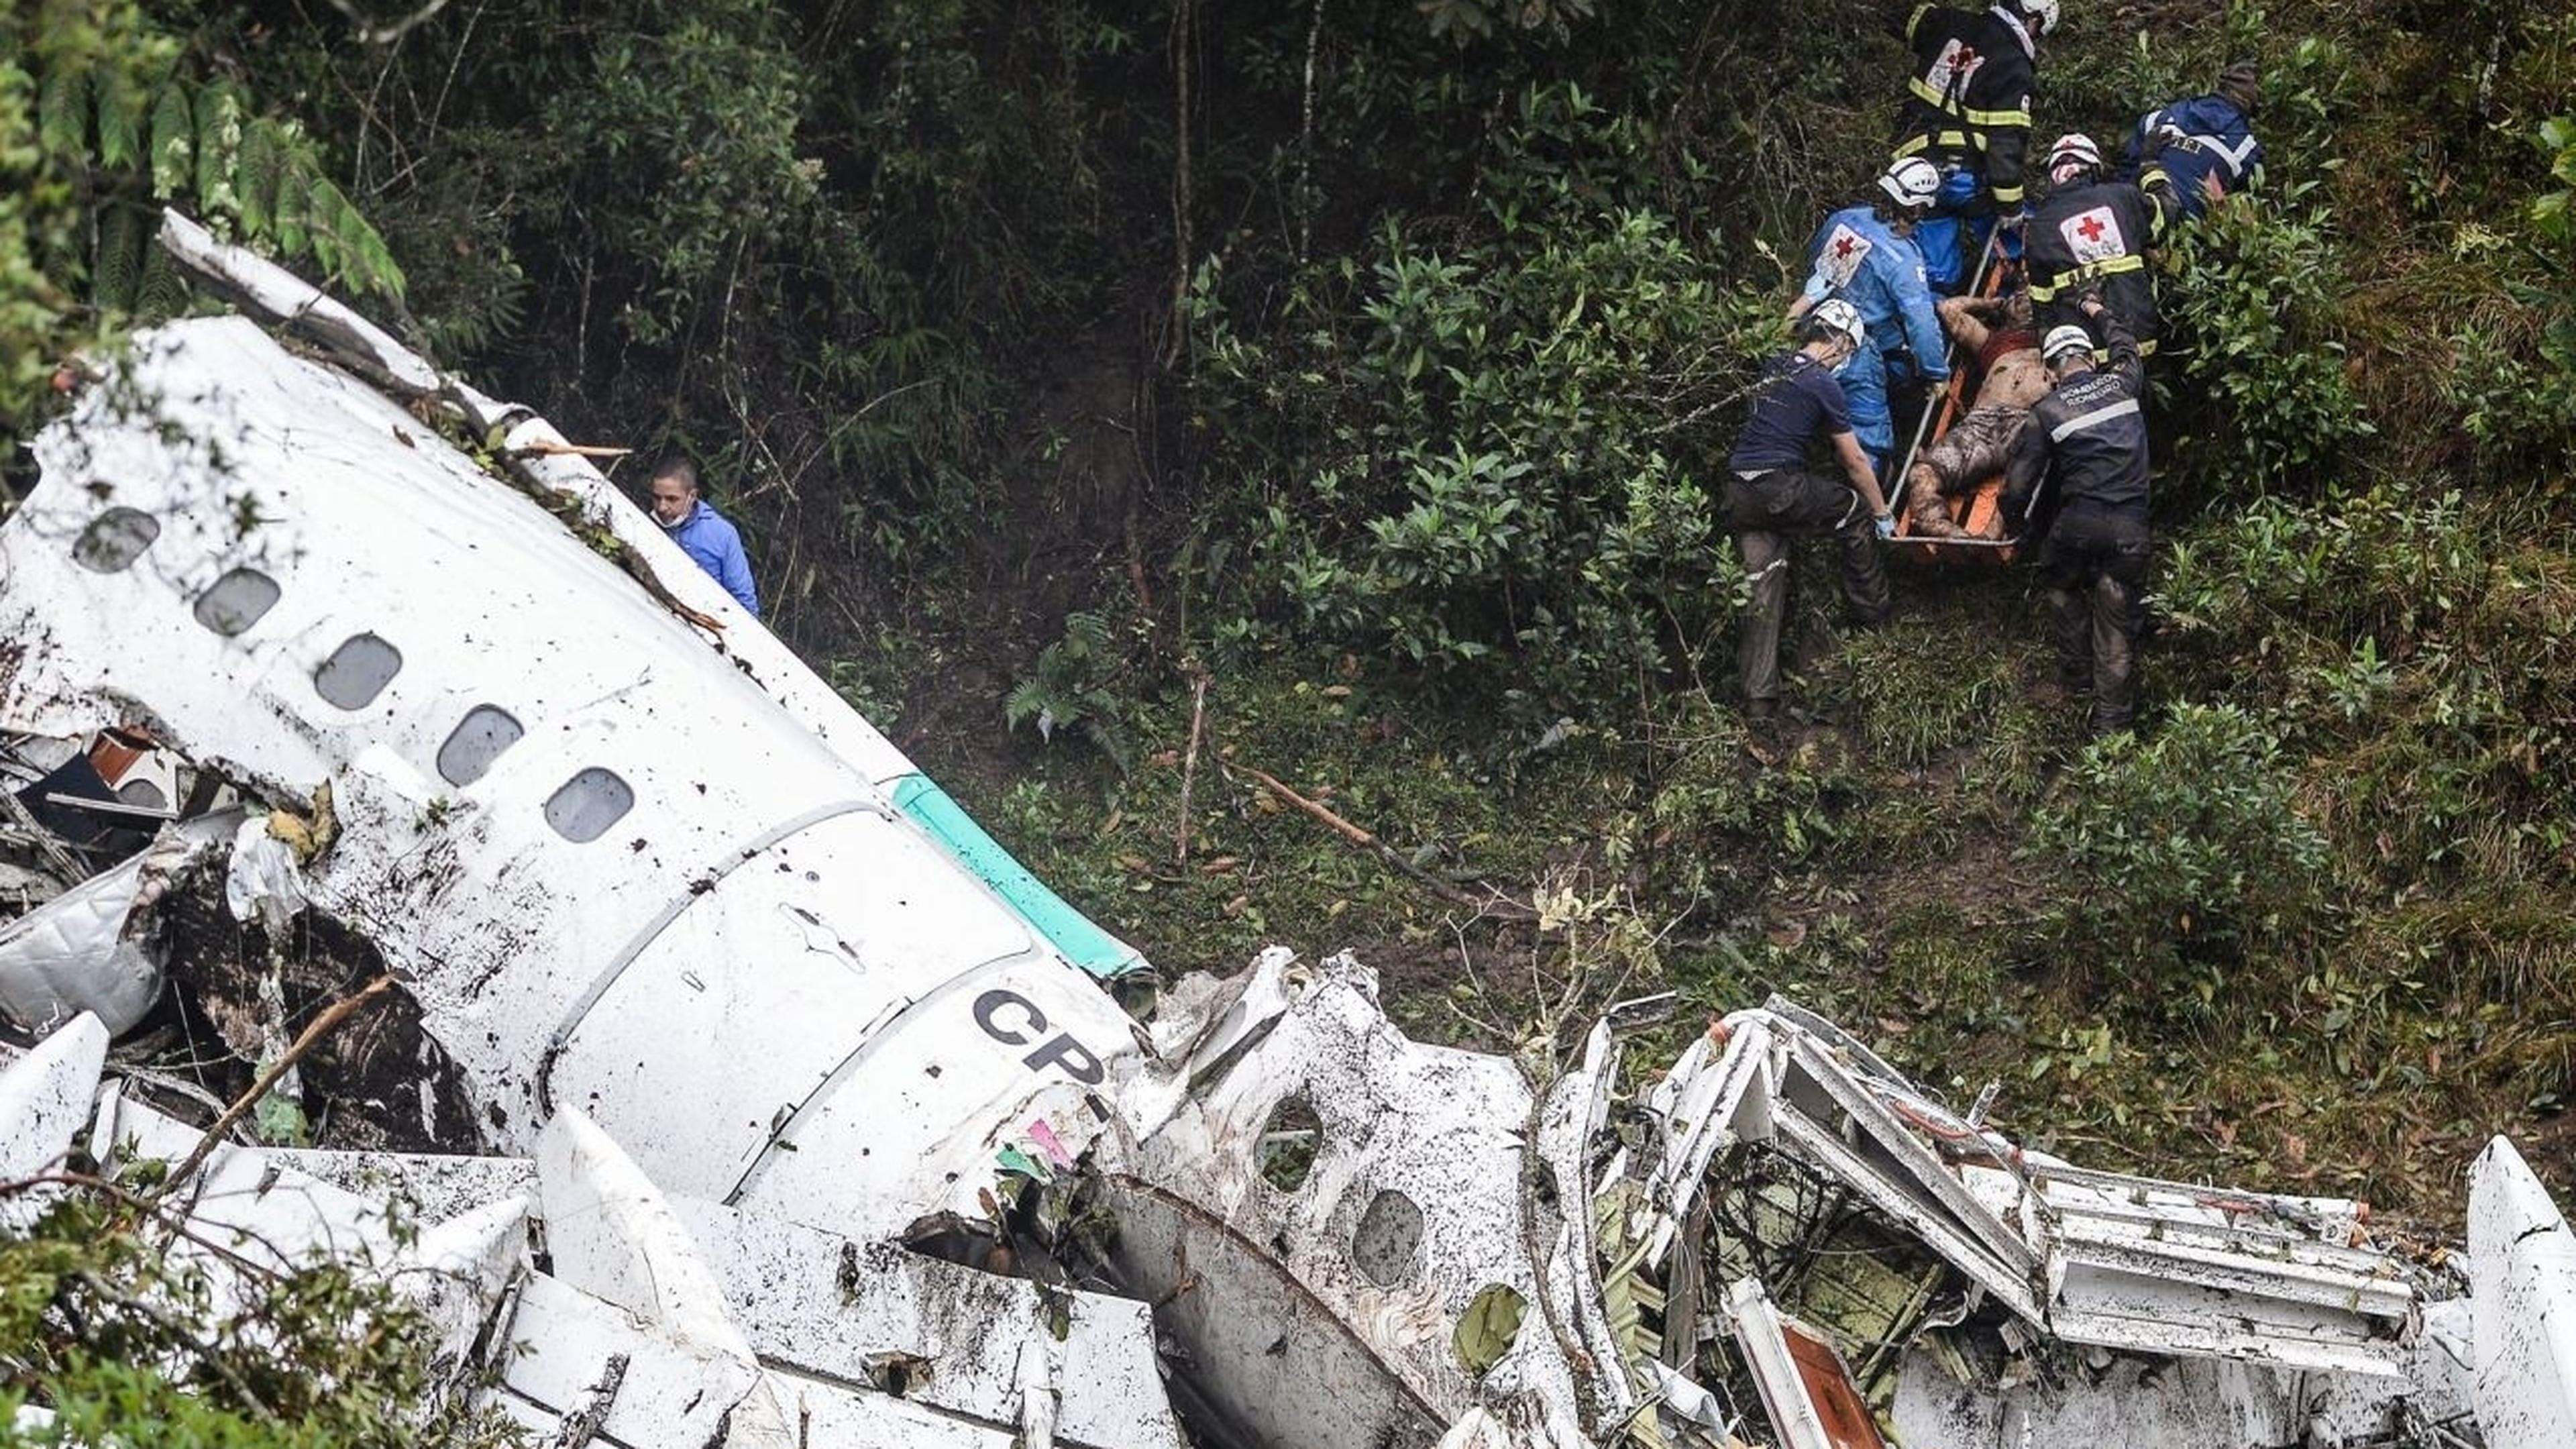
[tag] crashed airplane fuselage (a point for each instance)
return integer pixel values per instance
(635, 866)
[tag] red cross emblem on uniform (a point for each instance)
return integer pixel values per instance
(2091, 226)
(1843, 246)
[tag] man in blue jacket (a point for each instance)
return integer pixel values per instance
(701, 532)
(1865, 255)
(2205, 144)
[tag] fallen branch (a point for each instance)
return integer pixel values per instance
(321, 1026)
(1496, 903)
(62, 861)
(543, 449)
(1190, 762)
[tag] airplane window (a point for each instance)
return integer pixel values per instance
(115, 539)
(588, 804)
(476, 742)
(236, 601)
(357, 671)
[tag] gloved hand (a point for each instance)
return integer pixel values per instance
(1886, 525)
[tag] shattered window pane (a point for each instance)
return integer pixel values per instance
(357, 671)
(238, 600)
(475, 743)
(588, 804)
(115, 539)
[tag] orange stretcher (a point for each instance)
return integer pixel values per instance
(1978, 509)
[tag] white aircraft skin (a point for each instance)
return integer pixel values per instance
(746, 926)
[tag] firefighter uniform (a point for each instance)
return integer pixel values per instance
(2079, 471)
(1968, 103)
(2095, 236)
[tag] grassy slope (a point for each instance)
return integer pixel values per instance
(2355, 1022)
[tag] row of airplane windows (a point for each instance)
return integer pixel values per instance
(580, 810)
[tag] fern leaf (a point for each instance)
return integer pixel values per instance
(295, 177)
(121, 240)
(219, 145)
(263, 159)
(163, 290)
(328, 215)
(174, 142)
(120, 121)
(61, 112)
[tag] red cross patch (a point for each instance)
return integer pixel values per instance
(1845, 250)
(2094, 235)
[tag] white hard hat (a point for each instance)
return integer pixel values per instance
(1839, 317)
(2042, 15)
(1912, 183)
(2063, 339)
(2074, 146)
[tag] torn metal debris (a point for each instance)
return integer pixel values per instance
(747, 1094)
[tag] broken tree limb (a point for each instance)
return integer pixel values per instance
(320, 1027)
(1190, 762)
(545, 449)
(62, 862)
(1495, 904)
(583, 1424)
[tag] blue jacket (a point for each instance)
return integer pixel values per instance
(1855, 257)
(712, 544)
(2217, 141)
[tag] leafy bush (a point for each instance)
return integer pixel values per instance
(2515, 379)
(121, 1339)
(2255, 302)
(1478, 456)
(2184, 849)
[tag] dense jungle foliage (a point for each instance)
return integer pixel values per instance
(1125, 400)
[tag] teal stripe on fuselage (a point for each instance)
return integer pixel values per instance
(1070, 931)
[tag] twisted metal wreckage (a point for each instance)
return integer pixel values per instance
(795, 1107)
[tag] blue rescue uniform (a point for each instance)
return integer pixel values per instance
(1857, 258)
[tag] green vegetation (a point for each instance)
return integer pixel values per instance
(109, 1319)
(1130, 401)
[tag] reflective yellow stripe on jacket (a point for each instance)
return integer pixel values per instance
(2107, 267)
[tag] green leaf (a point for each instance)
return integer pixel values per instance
(173, 143)
(120, 122)
(62, 112)
(219, 145)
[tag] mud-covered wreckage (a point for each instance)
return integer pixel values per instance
(746, 1094)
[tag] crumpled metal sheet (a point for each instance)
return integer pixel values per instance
(85, 951)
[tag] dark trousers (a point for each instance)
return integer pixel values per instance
(1766, 511)
(2096, 568)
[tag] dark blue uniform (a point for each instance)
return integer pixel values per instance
(1771, 495)
(2217, 140)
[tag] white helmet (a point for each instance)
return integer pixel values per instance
(1912, 183)
(2063, 339)
(2073, 155)
(1840, 318)
(2042, 15)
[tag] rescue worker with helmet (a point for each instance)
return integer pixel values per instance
(2079, 472)
(1865, 255)
(1771, 493)
(2205, 144)
(1967, 110)
(2092, 234)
